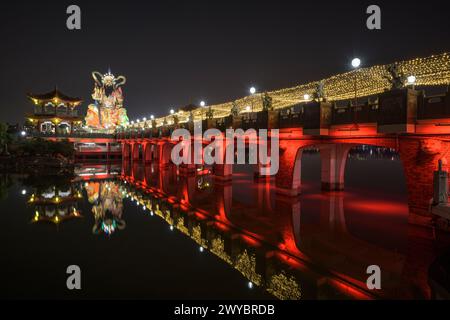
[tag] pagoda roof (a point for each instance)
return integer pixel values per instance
(54, 94)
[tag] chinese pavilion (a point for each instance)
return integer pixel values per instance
(55, 204)
(54, 112)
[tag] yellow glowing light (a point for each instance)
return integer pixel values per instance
(429, 71)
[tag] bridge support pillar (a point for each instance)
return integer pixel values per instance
(191, 167)
(163, 154)
(147, 152)
(420, 159)
(135, 151)
(125, 150)
(288, 178)
(333, 158)
(258, 176)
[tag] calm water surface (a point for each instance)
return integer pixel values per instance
(147, 232)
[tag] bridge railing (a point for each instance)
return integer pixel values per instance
(434, 107)
(366, 113)
(392, 111)
(72, 135)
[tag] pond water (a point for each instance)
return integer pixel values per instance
(140, 231)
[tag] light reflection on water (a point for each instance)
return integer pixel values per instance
(315, 246)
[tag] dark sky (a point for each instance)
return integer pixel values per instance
(179, 52)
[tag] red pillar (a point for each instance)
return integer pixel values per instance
(420, 159)
(333, 158)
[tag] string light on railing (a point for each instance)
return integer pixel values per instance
(430, 71)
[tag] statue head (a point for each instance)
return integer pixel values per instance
(108, 80)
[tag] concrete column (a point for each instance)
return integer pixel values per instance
(148, 152)
(189, 168)
(420, 160)
(164, 153)
(288, 178)
(108, 150)
(134, 151)
(333, 159)
(125, 150)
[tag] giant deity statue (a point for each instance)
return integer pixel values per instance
(107, 112)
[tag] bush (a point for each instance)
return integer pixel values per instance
(42, 147)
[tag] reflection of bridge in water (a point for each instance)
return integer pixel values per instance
(416, 126)
(268, 238)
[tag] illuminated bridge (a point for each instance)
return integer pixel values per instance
(377, 106)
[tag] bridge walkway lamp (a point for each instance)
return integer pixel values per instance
(252, 92)
(356, 62)
(152, 118)
(411, 81)
(202, 105)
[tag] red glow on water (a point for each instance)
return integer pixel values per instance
(200, 215)
(291, 261)
(383, 207)
(349, 290)
(221, 226)
(250, 241)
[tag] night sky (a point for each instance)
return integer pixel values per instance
(174, 53)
